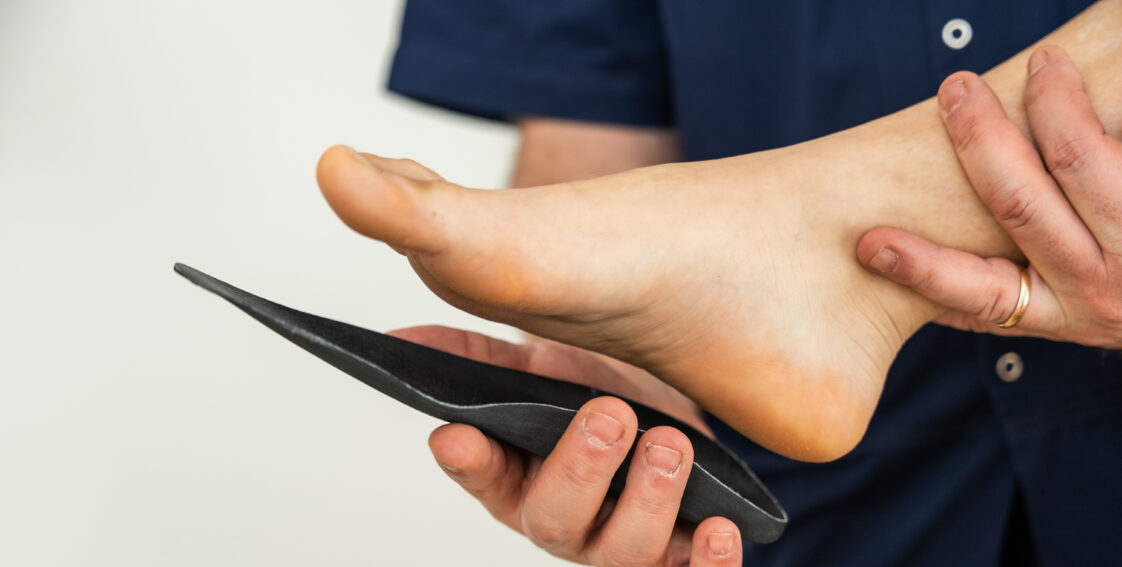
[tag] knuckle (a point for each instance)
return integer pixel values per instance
(548, 533)
(923, 280)
(486, 492)
(580, 476)
(1013, 206)
(656, 505)
(1105, 308)
(1072, 154)
(995, 305)
(969, 131)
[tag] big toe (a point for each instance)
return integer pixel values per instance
(454, 236)
(395, 201)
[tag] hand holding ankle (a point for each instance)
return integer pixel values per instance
(1063, 212)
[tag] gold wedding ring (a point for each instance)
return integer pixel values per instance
(1022, 301)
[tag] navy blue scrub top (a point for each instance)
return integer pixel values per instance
(984, 450)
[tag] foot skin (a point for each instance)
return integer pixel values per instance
(714, 276)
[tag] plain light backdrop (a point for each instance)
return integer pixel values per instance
(145, 422)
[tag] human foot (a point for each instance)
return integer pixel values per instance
(732, 279)
(726, 292)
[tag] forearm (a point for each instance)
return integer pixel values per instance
(555, 151)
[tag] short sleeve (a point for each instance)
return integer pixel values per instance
(594, 60)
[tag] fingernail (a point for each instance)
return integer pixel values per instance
(885, 261)
(452, 470)
(602, 430)
(951, 96)
(720, 543)
(663, 459)
(1038, 61)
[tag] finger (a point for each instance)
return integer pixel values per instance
(1009, 177)
(1082, 157)
(562, 502)
(986, 289)
(964, 321)
(476, 346)
(486, 469)
(547, 358)
(716, 543)
(639, 530)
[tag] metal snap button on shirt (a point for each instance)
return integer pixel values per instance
(957, 33)
(1010, 367)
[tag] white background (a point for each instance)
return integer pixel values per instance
(144, 421)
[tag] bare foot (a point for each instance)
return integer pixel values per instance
(724, 291)
(732, 280)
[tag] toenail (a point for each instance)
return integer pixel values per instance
(663, 459)
(885, 261)
(720, 543)
(951, 96)
(602, 431)
(358, 156)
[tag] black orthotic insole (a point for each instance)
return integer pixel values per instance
(525, 410)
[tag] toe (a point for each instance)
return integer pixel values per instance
(375, 201)
(403, 167)
(457, 239)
